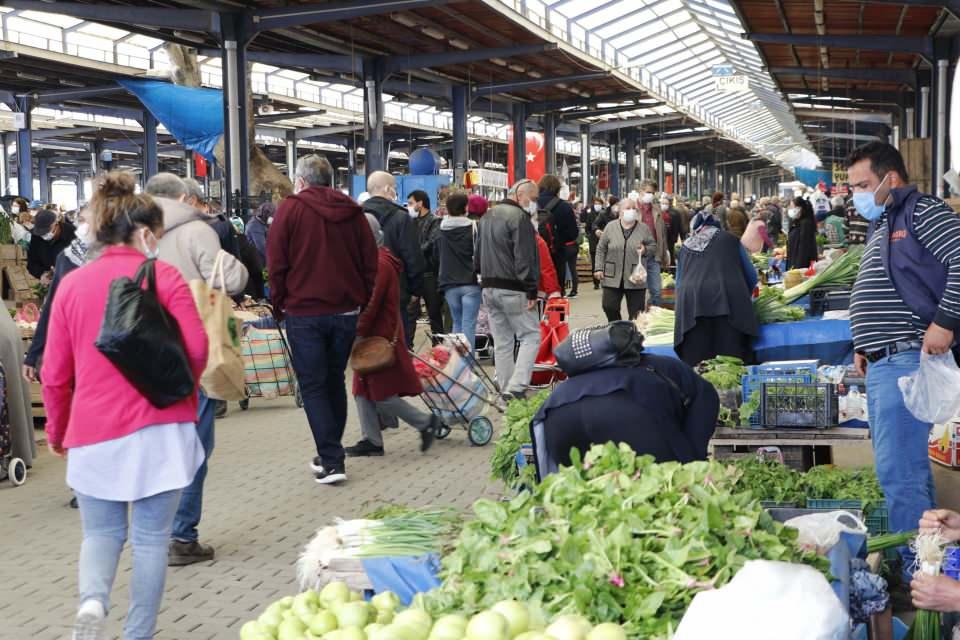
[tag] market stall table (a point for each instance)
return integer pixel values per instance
(796, 445)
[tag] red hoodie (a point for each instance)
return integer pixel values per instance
(321, 254)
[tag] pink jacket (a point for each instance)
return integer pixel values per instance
(87, 399)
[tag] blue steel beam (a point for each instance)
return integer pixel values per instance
(556, 105)
(519, 141)
(429, 89)
(181, 19)
(24, 151)
(107, 112)
(460, 156)
(900, 44)
(593, 113)
(614, 125)
(306, 14)
(534, 83)
(150, 151)
(43, 176)
(899, 76)
(427, 60)
(55, 95)
(344, 64)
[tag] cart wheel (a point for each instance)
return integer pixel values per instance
(480, 431)
(245, 404)
(17, 471)
(442, 431)
(298, 398)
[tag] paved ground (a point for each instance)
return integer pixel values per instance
(261, 507)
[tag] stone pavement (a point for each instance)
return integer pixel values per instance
(261, 506)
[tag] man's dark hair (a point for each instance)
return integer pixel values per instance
(421, 197)
(457, 204)
(883, 158)
(550, 183)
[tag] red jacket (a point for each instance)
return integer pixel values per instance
(88, 400)
(381, 317)
(548, 282)
(321, 254)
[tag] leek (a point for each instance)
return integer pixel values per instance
(842, 271)
(889, 541)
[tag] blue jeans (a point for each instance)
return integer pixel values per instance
(654, 282)
(321, 348)
(899, 445)
(191, 502)
(464, 303)
(104, 533)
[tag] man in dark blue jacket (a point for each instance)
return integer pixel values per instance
(558, 227)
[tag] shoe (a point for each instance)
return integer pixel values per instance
(90, 621)
(573, 294)
(428, 434)
(73, 503)
(316, 465)
(221, 410)
(364, 448)
(596, 286)
(183, 553)
(392, 425)
(330, 476)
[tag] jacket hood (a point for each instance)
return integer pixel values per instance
(328, 203)
(176, 213)
(380, 206)
(454, 222)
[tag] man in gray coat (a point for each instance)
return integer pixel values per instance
(508, 261)
(190, 244)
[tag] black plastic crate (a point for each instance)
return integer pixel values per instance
(804, 405)
(831, 298)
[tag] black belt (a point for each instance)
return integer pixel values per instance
(896, 347)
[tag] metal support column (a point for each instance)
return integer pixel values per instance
(688, 192)
(519, 141)
(43, 176)
(895, 136)
(614, 169)
(375, 156)
(242, 117)
(585, 163)
(188, 163)
(460, 141)
(231, 138)
(4, 166)
(911, 123)
(924, 112)
(291, 153)
(643, 169)
(550, 142)
(940, 141)
(630, 145)
(150, 157)
(661, 169)
(24, 150)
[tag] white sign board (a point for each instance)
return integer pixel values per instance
(723, 70)
(19, 120)
(731, 84)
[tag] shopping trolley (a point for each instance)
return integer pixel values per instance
(456, 388)
(267, 359)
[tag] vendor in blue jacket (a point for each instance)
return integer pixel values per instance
(618, 393)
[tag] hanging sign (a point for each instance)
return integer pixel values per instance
(727, 80)
(839, 174)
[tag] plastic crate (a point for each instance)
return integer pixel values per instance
(876, 520)
(819, 297)
(804, 405)
(755, 382)
(785, 368)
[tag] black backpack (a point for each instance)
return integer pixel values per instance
(546, 225)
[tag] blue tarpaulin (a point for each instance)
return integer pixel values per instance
(811, 177)
(406, 577)
(194, 116)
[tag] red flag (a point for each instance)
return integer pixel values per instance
(536, 159)
(199, 166)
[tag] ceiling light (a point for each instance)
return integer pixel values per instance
(459, 44)
(71, 83)
(534, 74)
(499, 61)
(517, 68)
(29, 76)
(433, 33)
(404, 20)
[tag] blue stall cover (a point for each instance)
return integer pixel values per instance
(405, 576)
(194, 116)
(811, 177)
(829, 341)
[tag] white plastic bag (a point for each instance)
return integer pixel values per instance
(932, 394)
(820, 531)
(639, 275)
(767, 600)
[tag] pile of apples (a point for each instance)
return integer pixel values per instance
(336, 613)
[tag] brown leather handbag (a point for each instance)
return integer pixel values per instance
(374, 354)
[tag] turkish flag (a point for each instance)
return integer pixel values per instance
(536, 158)
(199, 166)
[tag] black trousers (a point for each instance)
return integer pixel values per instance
(571, 253)
(613, 298)
(433, 300)
(593, 260)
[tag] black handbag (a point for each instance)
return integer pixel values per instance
(143, 341)
(617, 344)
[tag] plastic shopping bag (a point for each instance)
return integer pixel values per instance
(767, 600)
(819, 532)
(932, 394)
(639, 274)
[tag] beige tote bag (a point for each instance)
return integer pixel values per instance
(223, 379)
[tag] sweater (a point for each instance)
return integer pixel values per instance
(86, 397)
(455, 250)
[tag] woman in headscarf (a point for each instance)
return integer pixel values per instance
(802, 236)
(715, 282)
(256, 230)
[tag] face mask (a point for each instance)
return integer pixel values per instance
(793, 214)
(629, 216)
(646, 198)
(664, 207)
(14, 210)
(865, 202)
(564, 193)
(532, 208)
(151, 254)
(412, 211)
(47, 236)
(269, 221)
(597, 208)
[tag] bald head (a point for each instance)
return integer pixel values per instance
(381, 183)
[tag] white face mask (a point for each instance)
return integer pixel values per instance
(664, 206)
(597, 208)
(532, 207)
(15, 209)
(47, 236)
(629, 216)
(793, 213)
(646, 198)
(147, 238)
(412, 211)
(269, 221)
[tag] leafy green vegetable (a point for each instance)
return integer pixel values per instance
(409, 532)
(842, 271)
(657, 326)
(725, 373)
(616, 538)
(515, 434)
(770, 307)
(830, 483)
(749, 408)
(770, 480)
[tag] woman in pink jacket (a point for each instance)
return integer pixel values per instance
(123, 454)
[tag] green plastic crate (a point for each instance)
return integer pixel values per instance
(876, 521)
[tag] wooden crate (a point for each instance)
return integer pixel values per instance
(17, 282)
(584, 269)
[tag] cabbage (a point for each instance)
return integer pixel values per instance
(450, 627)
(352, 614)
(516, 614)
(607, 631)
(322, 623)
(335, 592)
(488, 625)
(386, 601)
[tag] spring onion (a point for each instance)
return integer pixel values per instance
(771, 307)
(889, 541)
(414, 533)
(842, 271)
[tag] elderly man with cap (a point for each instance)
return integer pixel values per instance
(51, 235)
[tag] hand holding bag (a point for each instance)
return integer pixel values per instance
(224, 378)
(143, 340)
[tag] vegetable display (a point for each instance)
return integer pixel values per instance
(842, 272)
(515, 434)
(770, 480)
(770, 307)
(657, 326)
(616, 538)
(336, 613)
(667, 281)
(725, 373)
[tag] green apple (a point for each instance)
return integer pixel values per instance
(335, 592)
(386, 601)
(292, 629)
(356, 596)
(372, 628)
(416, 619)
(253, 630)
(353, 633)
(303, 606)
(488, 625)
(449, 627)
(516, 614)
(352, 614)
(322, 622)
(607, 631)
(385, 617)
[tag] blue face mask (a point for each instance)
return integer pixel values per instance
(865, 202)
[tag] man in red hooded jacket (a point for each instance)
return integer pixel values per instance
(322, 259)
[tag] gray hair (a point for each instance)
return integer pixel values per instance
(194, 190)
(315, 170)
(520, 184)
(375, 228)
(166, 185)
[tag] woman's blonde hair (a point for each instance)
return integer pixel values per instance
(116, 211)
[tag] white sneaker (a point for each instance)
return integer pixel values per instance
(89, 624)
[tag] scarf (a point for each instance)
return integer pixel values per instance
(703, 229)
(76, 252)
